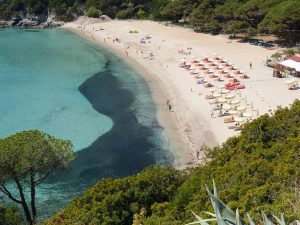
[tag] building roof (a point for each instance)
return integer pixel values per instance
(291, 64)
(295, 58)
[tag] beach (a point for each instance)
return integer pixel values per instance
(156, 51)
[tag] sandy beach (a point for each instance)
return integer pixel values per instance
(189, 124)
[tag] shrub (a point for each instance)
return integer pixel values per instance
(93, 12)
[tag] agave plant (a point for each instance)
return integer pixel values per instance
(224, 215)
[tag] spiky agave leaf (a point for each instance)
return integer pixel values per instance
(219, 217)
(224, 210)
(200, 220)
(250, 220)
(266, 219)
(280, 221)
(211, 214)
(237, 217)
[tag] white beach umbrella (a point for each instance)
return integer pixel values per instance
(188, 63)
(221, 100)
(239, 119)
(225, 91)
(216, 95)
(241, 108)
(183, 60)
(221, 86)
(233, 112)
(248, 115)
(230, 96)
(235, 102)
(226, 107)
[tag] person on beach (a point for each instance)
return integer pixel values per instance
(168, 102)
(170, 107)
(250, 65)
(197, 154)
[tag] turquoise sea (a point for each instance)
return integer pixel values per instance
(59, 83)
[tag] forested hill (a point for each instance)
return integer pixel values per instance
(257, 170)
(280, 17)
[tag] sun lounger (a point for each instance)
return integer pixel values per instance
(209, 97)
(240, 86)
(202, 81)
(208, 85)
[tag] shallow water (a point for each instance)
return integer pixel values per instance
(57, 82)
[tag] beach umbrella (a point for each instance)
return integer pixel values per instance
(216, 95)
(188, 63)
(225, 91)
(221, 86)
(226, 107)
(221, 100)
(241, 108)
(233, 112)
(248, 115)
(235, 102)
(239, 119)
(230, 96)
(183, 60)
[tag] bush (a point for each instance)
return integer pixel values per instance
(141, 14)
(93, 12)
(124, 14)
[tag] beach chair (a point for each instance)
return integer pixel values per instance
(208, 85)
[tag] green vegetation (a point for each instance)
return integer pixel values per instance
(279, 17)
(26, 160)
(9, 215)
(224, 215)
(258, 170)
(93, 12)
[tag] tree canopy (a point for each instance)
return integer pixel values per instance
(257, 170)
(279, 17)
(26, 160)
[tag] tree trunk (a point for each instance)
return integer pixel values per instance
(32, 192)
(24, 204)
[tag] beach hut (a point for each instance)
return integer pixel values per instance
(290, 66)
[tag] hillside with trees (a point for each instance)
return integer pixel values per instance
(250, 17)
(257, 170)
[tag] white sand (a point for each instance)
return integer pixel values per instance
(189, 125)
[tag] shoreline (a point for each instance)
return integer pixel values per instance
(177, 141)
(190, 124)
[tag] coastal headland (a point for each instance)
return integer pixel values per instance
(156, 50)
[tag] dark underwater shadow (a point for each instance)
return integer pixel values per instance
(122, 151)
